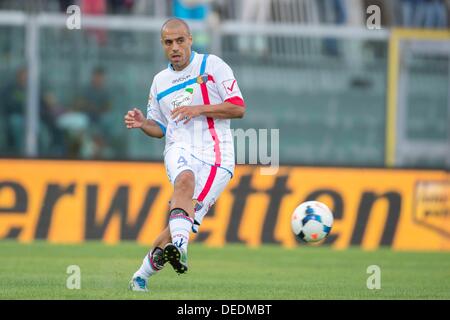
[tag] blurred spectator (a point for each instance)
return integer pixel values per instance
(194, 10)
(448, 13)
(95, 103)
(141, 7)
(424, 13)
(95, 100)
(340, 8)
(64, 4)
(191, 9)
(254, 11)
(409, 9)
(75, 126)
(356, 13)
(96, 8)
(120, 6)
(93, 7)
(225, 9)
(339, 17)
(13, 101)
(50, 111)
(435, 14)
(333, 11)
(355, 18)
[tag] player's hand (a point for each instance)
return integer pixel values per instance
(186, 113)
(134, 119)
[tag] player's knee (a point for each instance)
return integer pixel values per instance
(185, 182)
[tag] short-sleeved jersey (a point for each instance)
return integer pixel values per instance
(212, 82)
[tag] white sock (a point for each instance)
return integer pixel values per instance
(180, 226)
(148, 267)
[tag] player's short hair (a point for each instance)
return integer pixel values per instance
(176, 21)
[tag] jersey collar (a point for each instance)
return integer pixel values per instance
(193, 53)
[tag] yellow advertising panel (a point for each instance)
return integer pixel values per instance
(76, 201)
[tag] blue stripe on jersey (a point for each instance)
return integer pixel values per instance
(203, 67)
(183, 84)
(175, 88)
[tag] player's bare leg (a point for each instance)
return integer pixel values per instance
(180, 221)
(183, 192)
(163, 239)
(174, 238)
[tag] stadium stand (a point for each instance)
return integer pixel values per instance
(330, 92)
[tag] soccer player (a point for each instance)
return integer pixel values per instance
(191, 103)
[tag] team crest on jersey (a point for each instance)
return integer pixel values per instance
(202, 79)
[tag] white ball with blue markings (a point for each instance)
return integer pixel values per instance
(312, 221)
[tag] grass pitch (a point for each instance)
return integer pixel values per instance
(38, 271)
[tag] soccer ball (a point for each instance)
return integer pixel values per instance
(312, 221)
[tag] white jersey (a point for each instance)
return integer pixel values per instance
(208, 80)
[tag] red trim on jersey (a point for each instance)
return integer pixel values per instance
(211, 128)
(236, 101)
(214, 136)
(205, 95)
(208, 184)
(211, 78)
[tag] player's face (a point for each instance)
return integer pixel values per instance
(177, 44)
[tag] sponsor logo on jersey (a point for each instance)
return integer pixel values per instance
(181, 79)
(183, 99)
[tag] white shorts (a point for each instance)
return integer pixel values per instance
(210, 180)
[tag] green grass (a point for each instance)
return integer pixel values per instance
(38, 271)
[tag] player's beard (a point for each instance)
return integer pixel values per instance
(181, 62)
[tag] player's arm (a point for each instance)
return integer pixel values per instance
(135, 119)
(224, 110)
